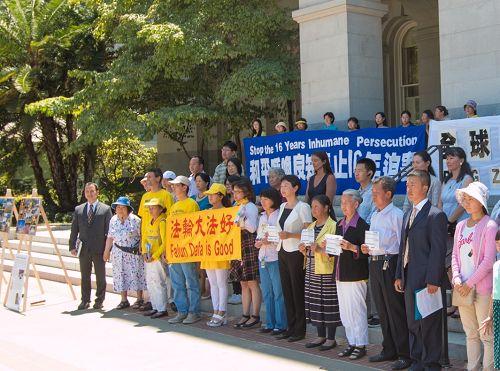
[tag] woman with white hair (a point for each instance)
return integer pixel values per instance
(352, 275)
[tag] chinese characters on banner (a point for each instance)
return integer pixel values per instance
(209, 235)
(480, 139)
(391, 149)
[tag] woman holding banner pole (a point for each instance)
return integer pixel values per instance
(247, 219)
(217, 272)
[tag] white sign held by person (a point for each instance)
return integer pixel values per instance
(480, 139)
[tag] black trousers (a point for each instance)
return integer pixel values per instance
(425, 335)
(291, 265)
(86, 261)
(391, 309)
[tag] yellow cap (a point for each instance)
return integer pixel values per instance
(155, 202)
(216, 188)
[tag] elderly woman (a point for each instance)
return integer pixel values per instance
(321, 302)
(352, 275)
(122, 245)
(473, 257)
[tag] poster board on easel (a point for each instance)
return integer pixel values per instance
(30, 210)
(7, 210)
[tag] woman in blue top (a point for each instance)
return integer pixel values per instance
(202, 182)
(459, 176)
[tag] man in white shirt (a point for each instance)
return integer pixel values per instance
(387, 221)
(196, 165)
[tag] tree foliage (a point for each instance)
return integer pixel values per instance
(119, 162)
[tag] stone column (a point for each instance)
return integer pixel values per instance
(341, 58)
(469, 39)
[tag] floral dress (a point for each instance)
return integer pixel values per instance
(128, 269)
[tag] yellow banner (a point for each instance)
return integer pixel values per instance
(208, 235)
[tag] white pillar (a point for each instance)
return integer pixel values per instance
(341, 58)
(469, 39)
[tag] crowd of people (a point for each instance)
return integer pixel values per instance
(440, 113)
(443, 238)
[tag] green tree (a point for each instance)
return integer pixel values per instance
(179, 64)
(119, 162)
(40, 42)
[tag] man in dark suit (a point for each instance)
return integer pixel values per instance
(421, 266)
(90, 225)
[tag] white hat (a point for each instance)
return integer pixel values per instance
(169, 175)
(281, 123)
(181, 179)
(476, 190)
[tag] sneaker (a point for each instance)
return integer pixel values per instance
(191, 318)
(179, 317)
(217, 321)
(373, 322)
(235, 299)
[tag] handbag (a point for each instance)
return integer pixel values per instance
(130, 249)
(462, 301)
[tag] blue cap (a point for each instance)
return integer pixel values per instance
(124, 201)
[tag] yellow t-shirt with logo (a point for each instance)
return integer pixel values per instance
(155, 235)
(185, 206)
(143, 211)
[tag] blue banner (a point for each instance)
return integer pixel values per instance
(391, 149)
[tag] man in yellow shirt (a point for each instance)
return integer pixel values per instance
(153, 179)
(184, 275)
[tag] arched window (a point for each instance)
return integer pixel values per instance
(409, 97)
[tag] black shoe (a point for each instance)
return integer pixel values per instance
(138, 303)
(401, 364)
(381, 358)
(357, 353)
(150, 312)
(244, 319)
(146, 306)
(284, 335)
(328, 347)
(314, 345)
(253, 322)
(277, 332)
(123, 305)
(173, 307)
(159, 314)
(97, 305)
(373, 322)
(264, 330)
(347, 352)
(84, 305)
(293, 339)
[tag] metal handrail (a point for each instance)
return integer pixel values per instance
(430, 150)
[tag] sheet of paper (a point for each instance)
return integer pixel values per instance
(373, 242)
(428, 303)
(307, 237)
(272, 234)
(333, 244)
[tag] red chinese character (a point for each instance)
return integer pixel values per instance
(212, 225)
(187, 228)
(176, 229)
(226, 223)
(199, 228)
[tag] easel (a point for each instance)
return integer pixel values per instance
(27, 239)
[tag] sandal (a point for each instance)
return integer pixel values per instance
(357, 353)
(123, 305)
(256, 321)
(244, 319)
(347, 352)
(137, 304)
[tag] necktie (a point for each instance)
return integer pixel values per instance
(407, 247)
(90, 214)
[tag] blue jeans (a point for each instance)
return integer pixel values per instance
(270, 283)
(185, 284)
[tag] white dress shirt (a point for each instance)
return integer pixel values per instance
(388, 223)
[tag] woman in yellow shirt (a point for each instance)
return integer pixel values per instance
(217, 272)
(153, 251)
